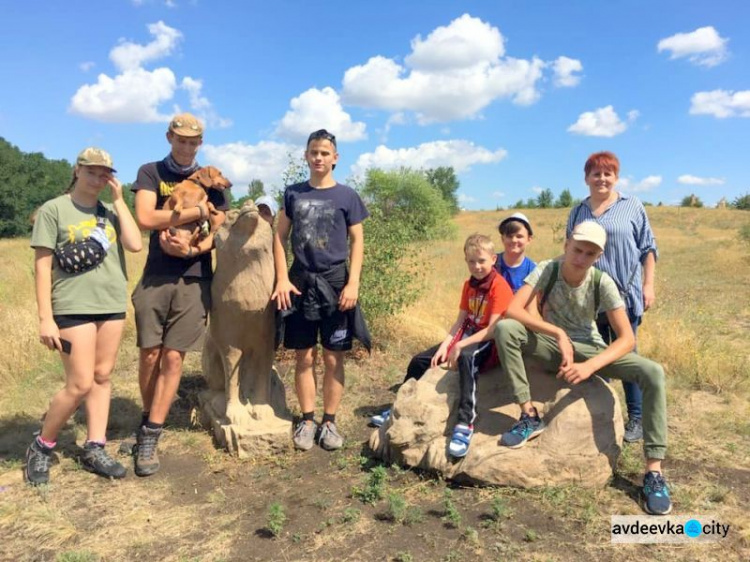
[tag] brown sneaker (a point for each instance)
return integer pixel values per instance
(146, 457)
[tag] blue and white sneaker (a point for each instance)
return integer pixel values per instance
(379, 419)
(460, 440)
(655, 494)
(527, 427)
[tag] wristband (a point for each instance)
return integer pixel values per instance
(200, 210)
(190, 252)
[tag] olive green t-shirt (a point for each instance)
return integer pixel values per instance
(102, 290)
(572, 308)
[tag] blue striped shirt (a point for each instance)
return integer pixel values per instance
(629, 240)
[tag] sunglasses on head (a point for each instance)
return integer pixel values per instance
(322, 134)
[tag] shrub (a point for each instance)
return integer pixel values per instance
(742, 202)
(275, 519)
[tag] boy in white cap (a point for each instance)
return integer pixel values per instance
(569, 294)
(512, 263)
(267, 207)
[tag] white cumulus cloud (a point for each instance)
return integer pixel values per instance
(86, 66)
(319, 109)
(201, 105)
(131, 97)
(242, 162)
(460, 154)
(688, 179)
(498, 194)
(565, 69)
(136, 94)
(721, 103)
(703, 47)
(129, 55)
(453, 73)
(646, 184)
(602, 122)
(464, 198)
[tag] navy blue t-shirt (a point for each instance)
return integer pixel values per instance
(514, 275)
(320, 221)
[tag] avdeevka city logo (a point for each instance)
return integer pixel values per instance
(666, 529)
(693, 528)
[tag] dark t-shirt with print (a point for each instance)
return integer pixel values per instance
(320, 221)
(155, 177)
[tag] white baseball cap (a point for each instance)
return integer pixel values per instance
(590, 231)
(269, 202)
(520, 217)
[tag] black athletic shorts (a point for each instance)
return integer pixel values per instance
(72, 320)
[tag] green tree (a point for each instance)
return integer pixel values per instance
(742, 202)
(26, 181)
(444, 180)
(691, 200)
(531, 203)
(519, 204)
(256, 189)
(546, 199)
(404, 209)
(565, 200)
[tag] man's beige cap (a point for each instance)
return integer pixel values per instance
(186, 125)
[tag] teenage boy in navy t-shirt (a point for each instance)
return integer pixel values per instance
(323, 215)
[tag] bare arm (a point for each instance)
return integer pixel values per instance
(151, 218)
(441, 355)
(49, 334)
(130, 235)
(649, 274)
(350, 293)
(518, 309)
(284, 288)
(624, 344)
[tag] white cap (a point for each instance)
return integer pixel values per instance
(269, 202)
(520, 217)
(590, 231)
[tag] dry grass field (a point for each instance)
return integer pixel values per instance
(207, 506)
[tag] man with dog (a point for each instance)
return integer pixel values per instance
(172, 299)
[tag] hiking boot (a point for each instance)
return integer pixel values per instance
(127, 445)
(633, 430)
(146, 457)
(95, 459)
(379, 419)
(304, 435)
(655, 494)
(527, 427)
(329, 437)
(38, 461)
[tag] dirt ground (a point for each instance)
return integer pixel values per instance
(205, 505)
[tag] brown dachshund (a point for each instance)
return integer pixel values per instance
(191, 192)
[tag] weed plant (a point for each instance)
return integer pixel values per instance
(451, 514)
(374, 489)
(275, 519)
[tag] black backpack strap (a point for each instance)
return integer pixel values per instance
(101, 214)
(550, 283)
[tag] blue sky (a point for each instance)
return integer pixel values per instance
(514, 95)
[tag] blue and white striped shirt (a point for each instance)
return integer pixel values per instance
(629, 240)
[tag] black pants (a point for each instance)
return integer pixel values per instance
(469, 362)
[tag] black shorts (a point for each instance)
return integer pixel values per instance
(335, 332)
(72, 320)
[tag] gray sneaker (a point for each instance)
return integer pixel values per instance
(146, 457)
(633, 430)
(304, 435)
(38, 461)
(329, 437)
(95, 459)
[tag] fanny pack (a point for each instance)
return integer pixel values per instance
(84, 255)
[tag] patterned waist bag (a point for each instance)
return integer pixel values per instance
(84, 255)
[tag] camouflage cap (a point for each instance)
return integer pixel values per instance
(186, 125)
(93, 156)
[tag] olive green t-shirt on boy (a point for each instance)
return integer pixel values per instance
(102, 290)
(572, 308)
